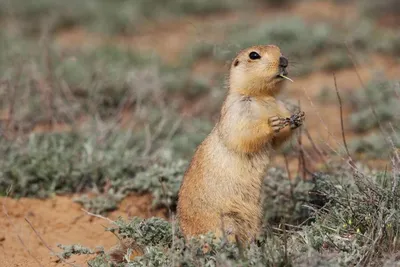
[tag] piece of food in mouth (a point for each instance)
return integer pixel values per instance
(285, 77)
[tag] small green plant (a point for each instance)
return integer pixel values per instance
(68, 251)
(296, 193)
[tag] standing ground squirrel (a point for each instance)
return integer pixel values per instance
(221, 189)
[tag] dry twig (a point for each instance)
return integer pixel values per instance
(351, 162)
(5, 211)
(48, 247)
(98, 216)
(302, 162)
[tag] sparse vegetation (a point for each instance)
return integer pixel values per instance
(303, 42)
(377, 109)
(356, 222)
(376, 8)
(73, 84)
(45, 164)
(375, 104)
(375, 115)
(113, 17)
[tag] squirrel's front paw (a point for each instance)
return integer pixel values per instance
(277, 123)
(296, 120)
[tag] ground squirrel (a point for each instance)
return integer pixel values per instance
(221, 189)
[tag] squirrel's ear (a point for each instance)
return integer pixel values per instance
(236, 62)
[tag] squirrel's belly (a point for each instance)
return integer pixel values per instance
(233, 172)
(220, 181)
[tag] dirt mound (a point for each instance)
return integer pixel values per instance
(58, 220)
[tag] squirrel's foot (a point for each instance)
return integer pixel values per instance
(277, 123)
(296, 120)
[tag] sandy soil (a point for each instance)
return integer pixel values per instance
(58, 220)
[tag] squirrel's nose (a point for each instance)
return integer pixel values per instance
(283, 62)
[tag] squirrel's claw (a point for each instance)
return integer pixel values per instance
(277, 123)
(296, 120)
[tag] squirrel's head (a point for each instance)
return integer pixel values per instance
(258, 70)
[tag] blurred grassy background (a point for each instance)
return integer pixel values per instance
(114, 96)
(155, 72)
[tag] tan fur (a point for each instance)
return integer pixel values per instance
(221, 189)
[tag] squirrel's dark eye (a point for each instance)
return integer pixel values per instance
(254, 55)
